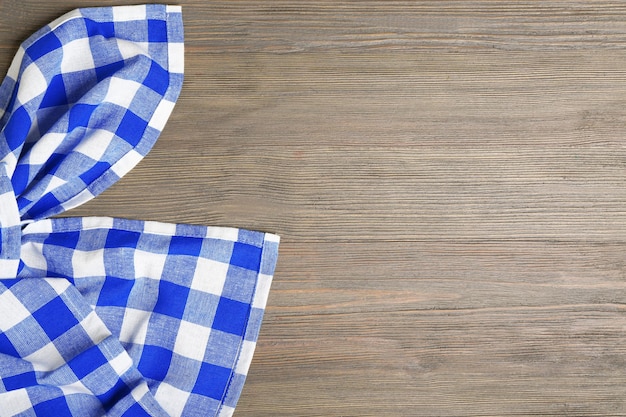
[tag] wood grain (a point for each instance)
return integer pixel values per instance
(448, 181)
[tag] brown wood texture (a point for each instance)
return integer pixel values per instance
(447, 177)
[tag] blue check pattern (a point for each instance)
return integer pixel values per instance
(98, 315)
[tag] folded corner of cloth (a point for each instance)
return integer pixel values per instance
(99, 315)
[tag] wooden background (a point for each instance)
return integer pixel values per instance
(448, 179)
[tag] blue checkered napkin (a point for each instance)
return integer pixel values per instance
(103, 316)
(159, 314)
(84, 100)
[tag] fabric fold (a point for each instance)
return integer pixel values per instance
(84, 101)
(98, 315)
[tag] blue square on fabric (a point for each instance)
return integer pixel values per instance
(44, 204)
(106, 29)
(114, 395)
(6, 347)
(112, 316)
(20, 178)
(250, 237)
(144, 292)
(131, 128)
(115, 292)
(246, 256)
(95, 172)
(157, 79)
(85, 362)
(154, 243)
(240, 284)
(203, 310)
(155, 336)
(80, 115)
(55, 94)
(122, 239)
(105, 71)
(172, 299)
(231, 316)
(17, 128)
(185, 245)
(222, 348)
(8, 283)
(235, 387)
(73, 342)
(155, 362)
(55, 407)
(180, 269)
(27, 379)
(53, 163)
(218, 250)
(44, 45)
(63, 239)
(69, 30)
(55, 318)
(212, 381)
(183, 380)
(157, 31)
(142, 97)
(51, 119)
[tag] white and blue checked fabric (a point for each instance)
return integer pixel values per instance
(104, 316)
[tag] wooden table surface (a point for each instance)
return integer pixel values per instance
(448, 179)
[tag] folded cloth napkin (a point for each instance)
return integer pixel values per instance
(104, 316)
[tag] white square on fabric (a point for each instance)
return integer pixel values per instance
(41, 151)
(148, 264)
(121, 92)
(95, 143)
(209, 276)
(128, 13)
(134, 326)
(32, 255)
(95, 328)
(12, 311)
(126, 163)
(223, 233)
(6, 199)
(264, 282)
(14, 402)
(97, 223)
(46, 359)
(32, 84)
(161, 114)
(54, 182)
(226, 411)
(128, 49)
(77, 56)
(16, 64)
(171, 399)
(121, 363)
(59, 285)
(245, 357)
(78, 199)
(192, 340)
(140, 391)
(75, 388)
(88, 263)
(176, 54)
(158, 228)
